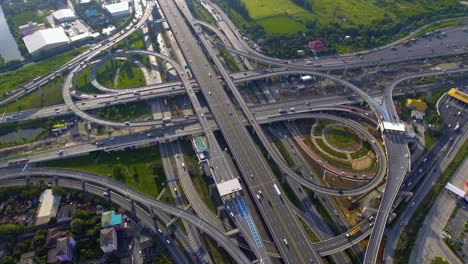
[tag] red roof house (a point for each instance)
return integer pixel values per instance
(317, 45)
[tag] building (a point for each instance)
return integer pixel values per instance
(460, 95)
(416, 104)
(30, 28)
(317, 45)
(110, 219)
(27, 258)
(398, 127)
(418, 114)
(108, 240)
(64, 15)
(118, 9)
(457, 192)
(48, 207)
(201, 147)
(44, 40)
(63, 250)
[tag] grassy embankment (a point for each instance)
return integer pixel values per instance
(27, 73)
(140, 168)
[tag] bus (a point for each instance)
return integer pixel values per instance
(353, 232)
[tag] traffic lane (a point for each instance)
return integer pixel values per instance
(398, 157)
(203, 79)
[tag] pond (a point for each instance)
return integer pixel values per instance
(8, 47)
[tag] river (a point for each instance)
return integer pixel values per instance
(8, 47)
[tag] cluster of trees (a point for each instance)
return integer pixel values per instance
(86, 225)
(37, 243)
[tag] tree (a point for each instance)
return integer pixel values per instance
(118, 172)
(439, 260)
(81, 214)
(135, 175)
(58, 190)
(76, 225)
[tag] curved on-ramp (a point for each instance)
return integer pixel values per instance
(68, 84)
(373, 183)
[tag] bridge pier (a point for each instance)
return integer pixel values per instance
(83, 185)
(28, 179)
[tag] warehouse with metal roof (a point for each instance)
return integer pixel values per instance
(44, 40)
(64, 15)
(118, 9)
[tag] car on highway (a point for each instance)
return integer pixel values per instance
(60, 152)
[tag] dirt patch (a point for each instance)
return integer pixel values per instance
(364, 163)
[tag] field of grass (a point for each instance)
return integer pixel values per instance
(409, 235)
(50, 94)
(284, 16)
(285, 26)
(321, 125)
(125, 112)
(25, 74)
(83, 83)
(130, 76)
(361, 152)
(344, 164)
(341, 137)
(284, 152)
(329, 150)
(142, 168)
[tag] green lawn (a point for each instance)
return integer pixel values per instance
(361, 152)
(329, 150)
(130, 76)
(344, 164)
(284, 152)
(341, 137)
(125, 112)
(142, 168)
(321, 125)
(284, 16)
(25, 74)
(83, 84)
(50, 94)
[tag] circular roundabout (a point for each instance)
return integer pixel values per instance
(344, 148)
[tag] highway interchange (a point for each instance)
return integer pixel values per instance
(289, 237)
